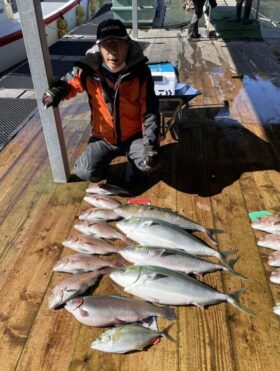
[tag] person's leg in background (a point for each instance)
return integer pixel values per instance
(238, 9)
(247, 11)
(193, 27)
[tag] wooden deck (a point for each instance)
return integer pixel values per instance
(225, 164)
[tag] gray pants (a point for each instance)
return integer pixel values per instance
(94, 161)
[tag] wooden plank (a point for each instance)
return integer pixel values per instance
(22, 295)
(230, 205)
(204, 331)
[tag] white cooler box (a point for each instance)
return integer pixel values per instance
(164, 77)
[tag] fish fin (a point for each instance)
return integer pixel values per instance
(233, 299)
(170, 313)
(165, 252)
(226, 253)
(166, 334)
(229, 268)
(148, 223)
(210, 232)
(157, 276)
(83, 313)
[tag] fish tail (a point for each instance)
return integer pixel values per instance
(229, 268)
(169, 313)
(210, 234)
(234, 300)
(165, 333)
(224, 255)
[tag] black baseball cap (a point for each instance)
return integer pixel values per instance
(111, 28)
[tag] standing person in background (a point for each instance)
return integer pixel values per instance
(247, 11)
(193, 33)
(124, 107)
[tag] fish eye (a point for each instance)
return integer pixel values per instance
(122, 270)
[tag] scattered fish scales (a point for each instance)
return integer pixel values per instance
(72, 287)
(90, 245)
(172, 259)
(164, 286)
(166, 215)
(268, 223)
(271, 241)
(128, 338)
(103, 311)
(79, 263)
(99, 229)
(107, 189)
(94, 214)
(155, 232)
(102, 201)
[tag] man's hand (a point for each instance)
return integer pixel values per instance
(151, 158)
(54, 95)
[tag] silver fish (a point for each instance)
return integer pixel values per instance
(79, 263)
(272, 241)
(102, 201)
(155, 232)
(102, 311)
(164, 286)
(128, 338)
(149, 211)
(90, 245)
(275, 276)
(72, 287)
(94, 214)
(172, 259)
(276, 309)
(274, 259)
(99, 229)
(107, 189)
(268, 223)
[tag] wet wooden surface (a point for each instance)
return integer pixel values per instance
(225, 164)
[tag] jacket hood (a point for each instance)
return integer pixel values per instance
(93, 58)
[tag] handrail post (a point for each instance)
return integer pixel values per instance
(135, 19)
(36, 46)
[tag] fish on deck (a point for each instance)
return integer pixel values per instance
(72, 287)
(128, 338)
(268, 223)
(102, 201)
(104, 188)
(164, 286)
(173, 259)
(102, 311)
(90, 245)
(99, 229)
(166, 215)
(155, 232)
(79, 263)
(272, 241)
(274, 259)
(275, 276)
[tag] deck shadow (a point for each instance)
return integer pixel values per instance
(212, 152)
